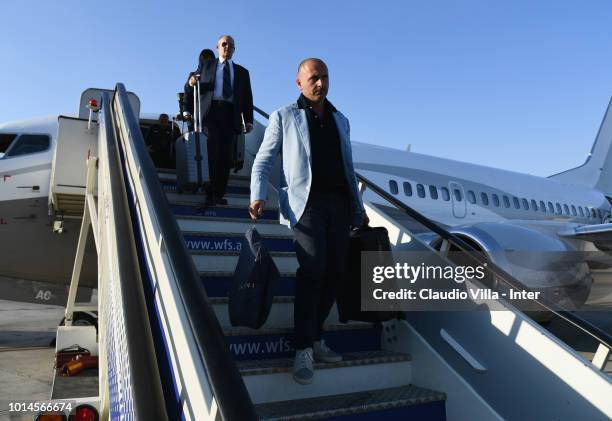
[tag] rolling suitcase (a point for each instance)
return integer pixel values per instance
(348, 292)
(192, 153)
(250, 297)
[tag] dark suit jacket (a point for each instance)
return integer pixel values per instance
(243, 96)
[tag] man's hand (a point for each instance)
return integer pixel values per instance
(366, 220)
(248, 128)
(256, 209)
(193, 79)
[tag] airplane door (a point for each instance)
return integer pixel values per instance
(457, 199)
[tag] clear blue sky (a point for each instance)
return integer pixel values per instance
(518, 84)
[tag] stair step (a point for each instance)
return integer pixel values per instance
(396, 403)
(218, 284)
(270, 343)
(381, 369)
(198, 199)
(227, 263)
(349, 359)
(211, 225)
(170, 175)
(281, 313)
(232, 189)
(241, 219)
(225, 212)
(233, 242)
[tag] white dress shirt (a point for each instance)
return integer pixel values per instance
(218, 92)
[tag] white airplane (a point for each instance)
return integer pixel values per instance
(494, 210)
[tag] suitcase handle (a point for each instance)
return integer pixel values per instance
(197, 107)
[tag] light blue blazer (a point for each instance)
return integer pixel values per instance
(288, 133)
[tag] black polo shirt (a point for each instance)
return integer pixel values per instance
(328, 174)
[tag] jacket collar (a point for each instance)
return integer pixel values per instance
(302, 104)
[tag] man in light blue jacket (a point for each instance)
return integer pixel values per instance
(319, 200)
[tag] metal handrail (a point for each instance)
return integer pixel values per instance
(228, 388)
(593, 331)
(147, 391)
(261, 112)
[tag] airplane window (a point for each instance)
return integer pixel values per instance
(445, 194)
(565, 209)
(393, 187)
(495, 200)
(593, 214)
(407, 188)
(542, 206)
(515, 200)
(580, 211)
(534, 205)
(506, 201)
(471, 197)
(5, 141)
(421, 191)
(599, 214)
(27, 144)
(551, 208)
(558, 207)
(574, 210)
(525, 204)
(458, 195)
(484, 198)
(433, 192)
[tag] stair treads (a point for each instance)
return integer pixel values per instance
(349, 359)
(225, 263)
(233, 227)
(351, 403)
(224, 211)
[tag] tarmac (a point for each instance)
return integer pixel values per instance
(26, 359)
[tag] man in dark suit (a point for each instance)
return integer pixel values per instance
(227, 108)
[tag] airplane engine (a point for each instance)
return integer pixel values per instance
(538, 260)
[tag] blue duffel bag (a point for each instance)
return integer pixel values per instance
(250, 297)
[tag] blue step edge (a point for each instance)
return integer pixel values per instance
(219, 212)
(219, 286)
(270, 346)
(233, 243)
(430, 411)
(170, 185)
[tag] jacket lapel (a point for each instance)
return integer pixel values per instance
(342, 132)
(302, 127)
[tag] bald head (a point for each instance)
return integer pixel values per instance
(311, 61)
(313, 80)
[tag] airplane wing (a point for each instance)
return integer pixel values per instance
(601, 234)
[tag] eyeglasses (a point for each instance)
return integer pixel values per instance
(225, 44)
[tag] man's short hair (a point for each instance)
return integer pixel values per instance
(224, 36)
(306, 60)
(162, 115)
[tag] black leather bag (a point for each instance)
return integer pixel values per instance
(256, 274)
(348, 292)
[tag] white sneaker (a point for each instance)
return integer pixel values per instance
(323, 354)
(302, 366)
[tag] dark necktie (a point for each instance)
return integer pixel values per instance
(227, 81)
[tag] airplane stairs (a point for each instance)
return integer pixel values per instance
(171, 353)
(371, 382)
